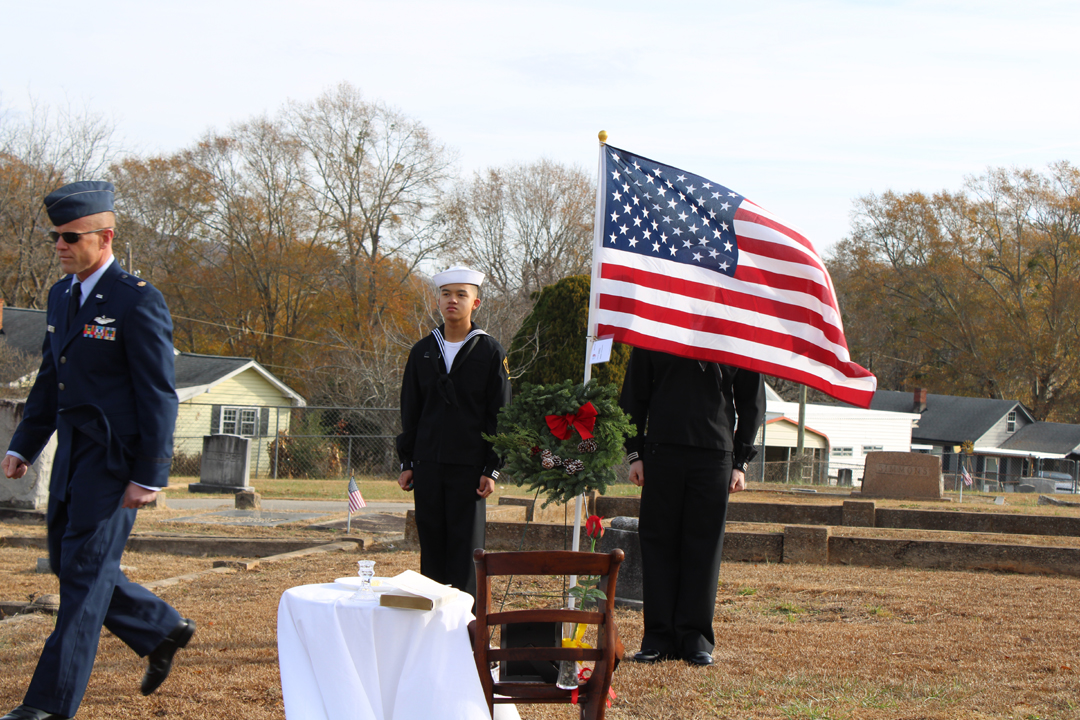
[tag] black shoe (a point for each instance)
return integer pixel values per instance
(700, 658)
(649, 656)
(25, 712)
(162, 656)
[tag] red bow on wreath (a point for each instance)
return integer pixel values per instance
(563, 426)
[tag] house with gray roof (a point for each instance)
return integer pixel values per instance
(218, 394)
(1008, 445)
(946, 421)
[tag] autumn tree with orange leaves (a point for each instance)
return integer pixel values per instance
(974, 293)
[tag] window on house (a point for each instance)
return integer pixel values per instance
(1010, 421)
(239, 421)
(843, 451)
(872, 448)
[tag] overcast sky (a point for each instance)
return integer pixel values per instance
(800, 106)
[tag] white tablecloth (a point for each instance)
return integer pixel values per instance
(346, 660)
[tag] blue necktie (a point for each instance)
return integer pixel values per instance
(73, 303)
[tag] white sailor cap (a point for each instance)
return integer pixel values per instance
(459, 274)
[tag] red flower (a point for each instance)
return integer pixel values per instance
(594, 527)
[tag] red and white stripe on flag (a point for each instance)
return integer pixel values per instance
(688, 267)
(965, 475)
(356, 500)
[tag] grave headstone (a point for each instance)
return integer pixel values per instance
(902, 475)
(623, 533)
(31, 491)
(226, 465)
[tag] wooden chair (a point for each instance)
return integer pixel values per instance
(592, 696)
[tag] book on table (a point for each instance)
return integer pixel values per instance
(416, 592)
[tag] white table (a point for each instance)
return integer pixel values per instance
(342, 659)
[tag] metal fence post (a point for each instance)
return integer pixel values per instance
(348, 460)
(277, 439)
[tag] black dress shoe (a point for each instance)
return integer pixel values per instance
(649, 656)
(161, 657)
(700, 658)
(25, 712)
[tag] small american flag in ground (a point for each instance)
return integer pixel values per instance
(689, 267)
(965, 475)
(356, 500)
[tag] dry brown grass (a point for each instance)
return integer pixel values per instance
(793, 642)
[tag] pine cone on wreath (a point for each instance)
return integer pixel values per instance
(587, 446)
(547, 460)
(574, 466)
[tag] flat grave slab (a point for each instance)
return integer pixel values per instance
(259, 518)
(369, 523)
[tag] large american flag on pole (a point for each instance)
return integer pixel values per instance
(689, 267)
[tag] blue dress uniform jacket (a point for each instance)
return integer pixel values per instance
(106, 385)
(111, 375)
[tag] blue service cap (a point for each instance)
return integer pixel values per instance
(79, 199)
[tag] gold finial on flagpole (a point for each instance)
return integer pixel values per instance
(603, 136)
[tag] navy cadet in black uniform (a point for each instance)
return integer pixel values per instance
(106, 386)
(696, 424)
(456, 379)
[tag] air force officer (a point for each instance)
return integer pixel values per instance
(106, 386)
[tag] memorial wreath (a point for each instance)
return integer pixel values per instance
(563, 439)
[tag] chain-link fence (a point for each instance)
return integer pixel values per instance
(335, 442)
(1011, 474)
(293, 442)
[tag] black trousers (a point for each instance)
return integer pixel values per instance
(450, 520)
(681, 527)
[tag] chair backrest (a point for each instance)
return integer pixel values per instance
(592, 696)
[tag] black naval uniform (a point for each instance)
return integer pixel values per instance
(442, 417)
(695, 422)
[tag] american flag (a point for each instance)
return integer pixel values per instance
(689, 267)
(965, 475)
(356, 500)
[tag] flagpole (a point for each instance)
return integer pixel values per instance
(590, 333)
(598, 238)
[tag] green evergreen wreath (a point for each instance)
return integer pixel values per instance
(524, 440)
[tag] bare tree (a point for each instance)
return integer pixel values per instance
(526, 227)
(262, 270)
(39, 152)
(376, 183)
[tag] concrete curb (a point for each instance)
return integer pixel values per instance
(196, 546)
(222, 568)
(229, 569)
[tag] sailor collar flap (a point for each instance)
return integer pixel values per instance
(445, 383)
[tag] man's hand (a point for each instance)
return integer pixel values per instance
(404, 480)
(738, 480)
(136, 496)
(637, 472)
(487, 486)
(14, 468)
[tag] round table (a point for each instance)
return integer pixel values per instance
(343, 659)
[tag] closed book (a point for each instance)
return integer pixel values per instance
(401, 599)
(416, 592)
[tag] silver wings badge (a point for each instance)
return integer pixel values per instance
(104, 320)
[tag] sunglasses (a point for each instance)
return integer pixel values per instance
(73, 237)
